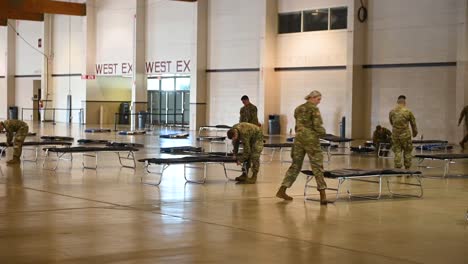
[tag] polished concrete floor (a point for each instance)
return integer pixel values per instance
(108, 216)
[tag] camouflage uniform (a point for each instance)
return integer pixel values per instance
(18, 130)
(464, 114)
(382, 136)
(251, 137)
(308, 131)
(248, 114)
(400, 117)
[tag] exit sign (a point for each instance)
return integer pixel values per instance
(88, 76)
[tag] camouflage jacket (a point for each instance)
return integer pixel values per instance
(248, 114)
(383, 136)
(308, 121)
(400, 117)
(249, 135)
(14, 126)
(464, 114)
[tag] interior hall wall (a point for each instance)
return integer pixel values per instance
(419, 31)
(312, 49)
(68, 49)
(234, 32)
(169, 35)
(28, 63)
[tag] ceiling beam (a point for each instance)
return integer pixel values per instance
(11, 14)
(47, 6)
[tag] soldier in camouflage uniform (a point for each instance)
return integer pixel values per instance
(308, 131)
(248, 113)
(400, 117)
(251, 137)
(17, 130)
(464, 114)
(381, 135)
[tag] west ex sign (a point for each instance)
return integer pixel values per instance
(151, 67)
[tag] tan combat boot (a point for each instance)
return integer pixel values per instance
(282, 194)
(13, 161)
(323, 197)
(252, 179)
(241, 178)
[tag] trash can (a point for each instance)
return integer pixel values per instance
(124, 111)
(274, 125)
(13, 112)
(142, 118)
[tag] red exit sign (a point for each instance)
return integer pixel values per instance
(88, 76)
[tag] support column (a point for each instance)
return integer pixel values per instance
(47, 89)
(269, 96)
(8, 95)
(198, 80)
(358, 110)
(139, 82)
(461, 90)
(89, 36)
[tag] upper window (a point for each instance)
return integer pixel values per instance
(315, 20)
(289, 22)
(338, 18)
(183, 84)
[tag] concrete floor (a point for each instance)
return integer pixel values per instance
(107, 216)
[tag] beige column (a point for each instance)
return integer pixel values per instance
(461, 91)
(198, 80)
(47, 89)
(89, 36)
(7, 95)
(358, 109)
(269, 96)
(139, 82)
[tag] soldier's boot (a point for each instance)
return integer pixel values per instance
(462, 145)
(282, 194)
(252, 179)
(323, 198)
(13, 161)
(241, 178)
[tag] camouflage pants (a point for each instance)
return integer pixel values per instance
(18, 142)
(402, 145)
(465, 139)
(253, 161)
(314, 152)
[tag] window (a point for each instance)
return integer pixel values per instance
(183, 84)
(316, 19)
(153, 84)
(167, 84)
(289, 22)
(338, 18)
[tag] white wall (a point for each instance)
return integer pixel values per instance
(225, 92)
(169, 31)
(234, 32)
(68, 50)
(296, 85)
(412, 32)
(312, 49)
(114, 32)
(29, 59)
(285, 6)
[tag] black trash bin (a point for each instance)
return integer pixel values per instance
(124, 111)
(13, 112)
(142, 119)
(274, 125)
